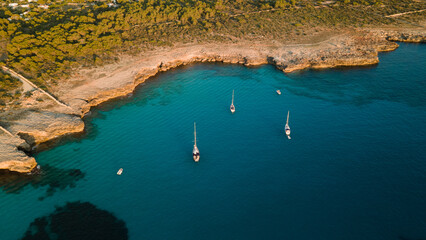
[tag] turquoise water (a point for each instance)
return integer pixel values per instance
(355, 167)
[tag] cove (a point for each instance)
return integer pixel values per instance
(355, 167)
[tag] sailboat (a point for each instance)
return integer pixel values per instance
(195, 152)
(232, 103)
(287, 127)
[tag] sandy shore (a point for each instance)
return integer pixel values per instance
(40, 120)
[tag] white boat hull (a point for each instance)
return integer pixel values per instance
(287, 132)
(196, 154)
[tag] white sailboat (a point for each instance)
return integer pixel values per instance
(232, 103)
(287, 127)
(195, 152)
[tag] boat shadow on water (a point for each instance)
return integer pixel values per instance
(53, 178)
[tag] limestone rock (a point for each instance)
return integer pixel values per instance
(13, 159)
(40, 126)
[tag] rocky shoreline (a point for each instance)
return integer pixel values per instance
(39, 120)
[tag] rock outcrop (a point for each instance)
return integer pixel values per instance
(406, 37)
(11, 155)
(29, 128)
(37, 127)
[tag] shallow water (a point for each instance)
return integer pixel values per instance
(355, 167)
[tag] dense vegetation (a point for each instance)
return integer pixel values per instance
(46, 44)
(8, 86)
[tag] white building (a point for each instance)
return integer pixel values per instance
(112, 5)
(13, 5)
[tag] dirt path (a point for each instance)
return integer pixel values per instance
(7, 132)
(28, 85)
(400, 14)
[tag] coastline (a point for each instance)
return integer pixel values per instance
(40, 122)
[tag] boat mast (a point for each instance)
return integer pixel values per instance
(195, 135)
(287, 117)
(232, 97)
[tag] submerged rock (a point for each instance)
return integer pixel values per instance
(47, 176)
(77, 221)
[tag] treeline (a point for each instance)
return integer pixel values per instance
(8, 88)
(46, 44)
(361, 2)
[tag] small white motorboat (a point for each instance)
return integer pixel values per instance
(279, 92)
(120, 171)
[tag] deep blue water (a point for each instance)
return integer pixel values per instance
(355, 167)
